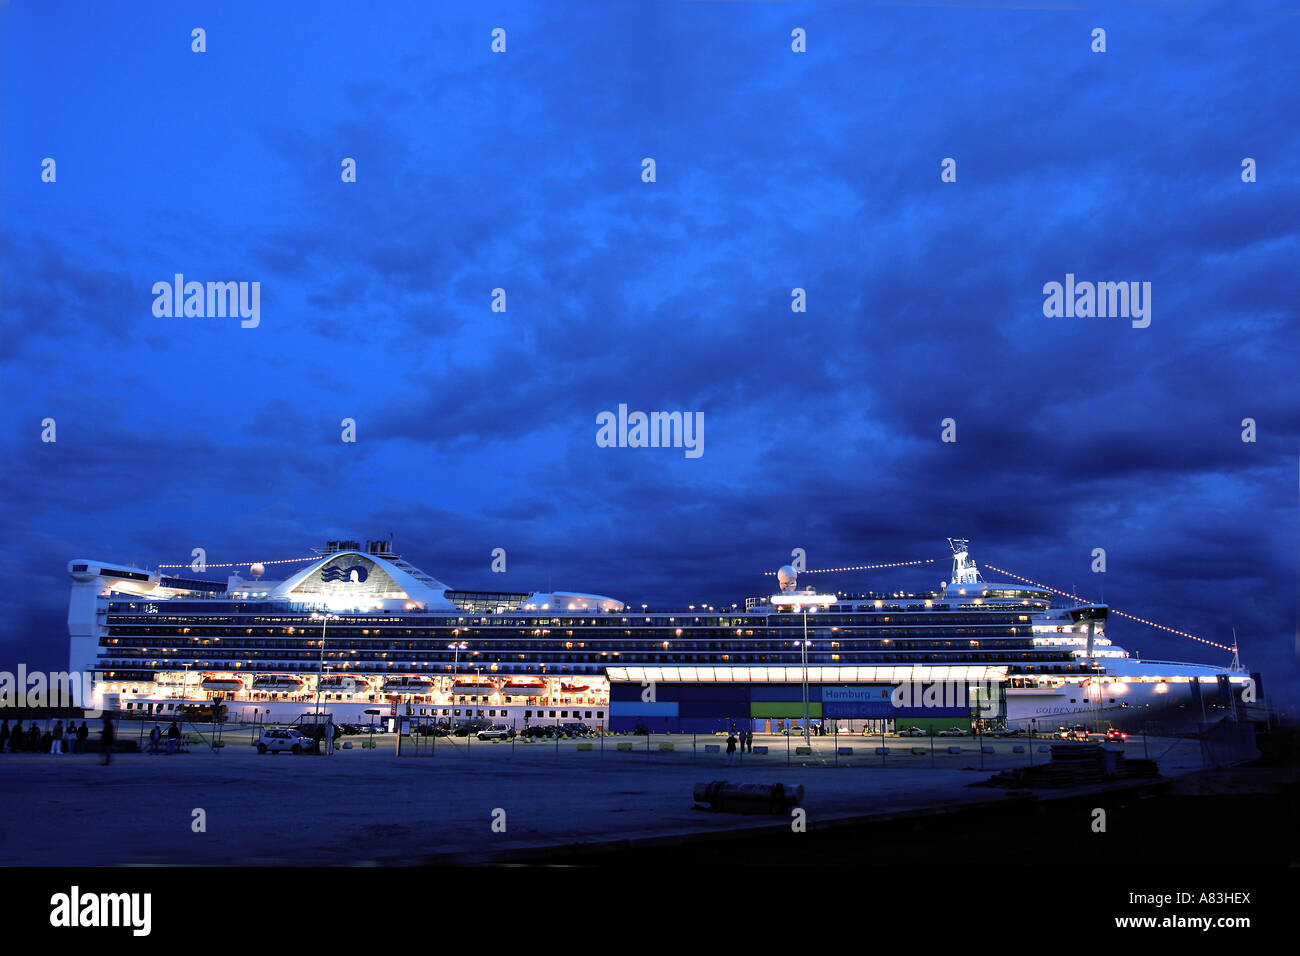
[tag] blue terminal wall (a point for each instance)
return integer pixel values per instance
(708, 708)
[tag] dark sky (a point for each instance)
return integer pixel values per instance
(775, 170)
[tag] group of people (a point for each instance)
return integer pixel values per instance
(58, 739)
(53, 740)
(156, 737)
(744, 739)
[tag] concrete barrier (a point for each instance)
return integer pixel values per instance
(1018, 749)
(584, 746)
(624, 745)
(711, 748)
(848, 751)
(881, 751)
(803, 751)
(919, 751)
(760, 748)
(1044, 749)
(987, 749)
(748, 797)
(954, 750)
(666, 747)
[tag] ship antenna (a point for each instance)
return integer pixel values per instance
(1236, 660)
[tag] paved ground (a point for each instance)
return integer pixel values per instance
(369, 805)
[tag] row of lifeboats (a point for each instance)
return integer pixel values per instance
(399, 684)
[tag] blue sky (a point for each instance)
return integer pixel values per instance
(775, 170)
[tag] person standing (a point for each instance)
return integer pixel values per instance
(731, 749)
(56, 741)
(106, 737)
(82, 733)
(4, 735)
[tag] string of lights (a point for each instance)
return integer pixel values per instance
(1131, 617)
(861, 567)
(241, 564)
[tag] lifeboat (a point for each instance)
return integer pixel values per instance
(285, 683)
(524, 687)
(344, 684)
(223, 682)
(567, 687)
(409, 684)
(473, 685)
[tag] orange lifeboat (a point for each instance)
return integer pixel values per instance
(480, 686)
(524, 687)
(226, 683)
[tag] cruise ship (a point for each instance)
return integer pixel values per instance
(362, 634)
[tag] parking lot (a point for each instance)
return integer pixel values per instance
(367, 804)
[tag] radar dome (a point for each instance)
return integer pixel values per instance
(257, 570)
(786, 577)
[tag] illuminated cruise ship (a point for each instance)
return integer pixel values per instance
(360, 631)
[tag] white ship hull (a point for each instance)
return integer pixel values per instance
(1155, 708)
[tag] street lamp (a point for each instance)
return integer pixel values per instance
(456, 646)
(803, 648)
(320, 668)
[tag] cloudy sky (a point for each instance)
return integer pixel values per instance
(775, 170)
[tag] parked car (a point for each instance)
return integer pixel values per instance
(465, 728)
(538, 731)
(951, 732)
(912, 732)
(1115, 736)
(275, 739)
(576, 730)
(496, 732)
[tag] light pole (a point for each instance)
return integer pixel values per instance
(320, 668)
(456, 646)
(803, 648)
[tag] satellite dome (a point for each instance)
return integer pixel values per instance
(786, 577)
(257, 570)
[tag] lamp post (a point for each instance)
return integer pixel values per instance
(803, 649)
(456, 646)
(320, 668)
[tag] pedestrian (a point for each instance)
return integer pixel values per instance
(173, 732)
(82, 733)
(56, 739)
(106, 737)
(749, 740)
(731, 749)
(155, 736)
(4, 735)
